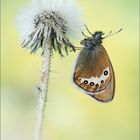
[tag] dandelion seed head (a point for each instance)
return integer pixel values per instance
(56, 21)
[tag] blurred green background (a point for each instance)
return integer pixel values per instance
(71, 115)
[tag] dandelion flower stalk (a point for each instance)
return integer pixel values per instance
(49, 25)
(42, 96)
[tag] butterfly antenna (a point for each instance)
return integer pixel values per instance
(88, 30)
(84, 34)
(112, 34)
(109, 33)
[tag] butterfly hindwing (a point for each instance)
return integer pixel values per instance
(107, 94)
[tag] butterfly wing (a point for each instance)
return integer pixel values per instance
(107, 94)
(94, 74)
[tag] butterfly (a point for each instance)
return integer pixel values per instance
(93, 70)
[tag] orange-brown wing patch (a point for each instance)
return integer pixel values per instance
(94, 84)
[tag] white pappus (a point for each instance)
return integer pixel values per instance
(56, 21)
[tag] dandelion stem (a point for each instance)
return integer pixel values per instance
(43, 89)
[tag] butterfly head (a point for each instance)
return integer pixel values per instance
(97, 36)
(94, 41)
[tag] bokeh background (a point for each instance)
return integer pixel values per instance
(71, 115)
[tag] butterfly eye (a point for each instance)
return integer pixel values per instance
(105, 72)
(91, 84)
(85, 82)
